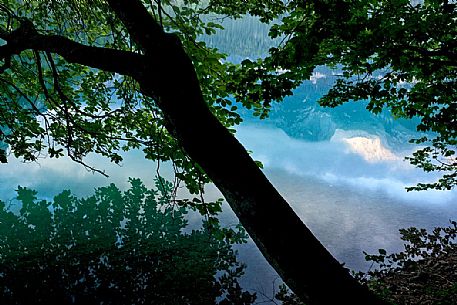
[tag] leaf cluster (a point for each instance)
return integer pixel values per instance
(420, 245)
(423, 273)
(396, 54)
(52, 108)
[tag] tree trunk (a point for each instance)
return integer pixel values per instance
(288, 245)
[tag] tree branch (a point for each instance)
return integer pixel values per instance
(111, 60)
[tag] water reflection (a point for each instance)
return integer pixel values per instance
(114, 248)
(351, 205)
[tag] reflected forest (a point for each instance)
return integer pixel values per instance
(115, 247)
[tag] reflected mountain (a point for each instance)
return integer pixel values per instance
(301, 116)
(115, 247)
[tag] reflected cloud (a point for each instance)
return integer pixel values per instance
(368, 146)
(353, 158)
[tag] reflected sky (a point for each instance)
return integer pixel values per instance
(50, 176)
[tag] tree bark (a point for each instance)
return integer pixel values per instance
(288, 245)
(166, 73)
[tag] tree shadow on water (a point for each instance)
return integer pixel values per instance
(115, 248)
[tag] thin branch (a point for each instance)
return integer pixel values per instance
(159, 10)
(64, 99)
(88, 167)
(32, 104)
(40, 74)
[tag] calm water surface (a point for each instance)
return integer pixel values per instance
(350, 202)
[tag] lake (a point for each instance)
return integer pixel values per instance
(353, 199)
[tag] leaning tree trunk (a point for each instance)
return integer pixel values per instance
(288, 245)
(166, 73)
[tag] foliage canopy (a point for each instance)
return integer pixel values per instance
(397, 54)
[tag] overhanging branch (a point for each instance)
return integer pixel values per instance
(110, 60)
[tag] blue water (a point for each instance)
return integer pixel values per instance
(352, 205)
